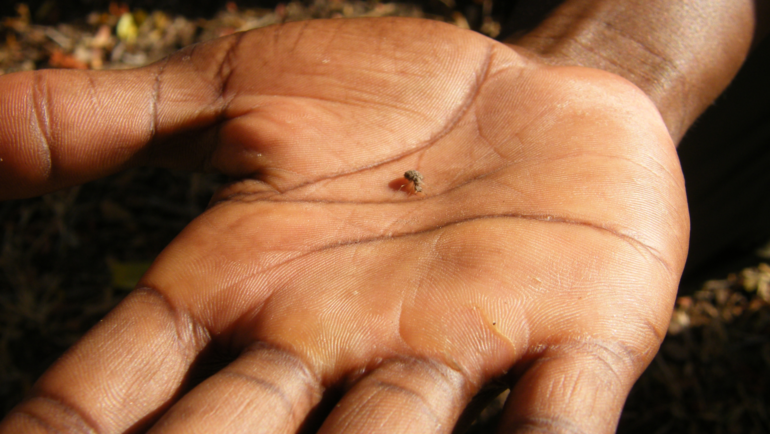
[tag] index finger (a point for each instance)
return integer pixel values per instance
(145, 349)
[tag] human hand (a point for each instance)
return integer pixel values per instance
(545, 250)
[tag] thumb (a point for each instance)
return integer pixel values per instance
(60, 128)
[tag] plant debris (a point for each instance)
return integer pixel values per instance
(124, 38)
(416, 179)
(711, 374)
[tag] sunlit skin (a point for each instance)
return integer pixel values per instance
(546, 252)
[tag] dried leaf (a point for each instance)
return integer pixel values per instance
(126, 275)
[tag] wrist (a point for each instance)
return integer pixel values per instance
(681, 54)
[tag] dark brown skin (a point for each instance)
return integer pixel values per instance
(549, 246)
(682, 54)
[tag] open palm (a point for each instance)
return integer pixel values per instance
(544, 250)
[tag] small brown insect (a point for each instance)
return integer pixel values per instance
(416, 178)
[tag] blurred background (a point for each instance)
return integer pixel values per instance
(68, 257)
